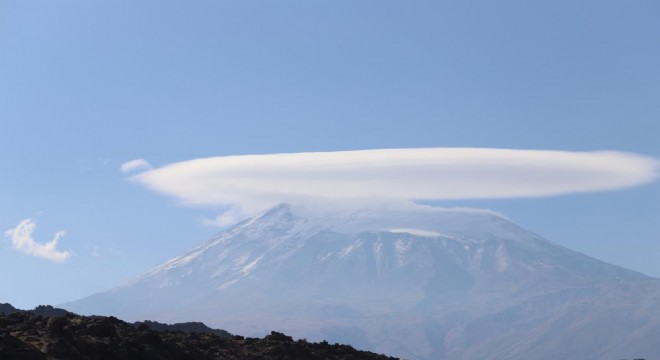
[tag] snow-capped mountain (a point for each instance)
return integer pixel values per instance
(419, 283)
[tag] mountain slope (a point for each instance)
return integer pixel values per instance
(419, 283)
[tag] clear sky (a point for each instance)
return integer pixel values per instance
(88, 85)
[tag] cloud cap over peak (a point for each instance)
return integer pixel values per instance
(253, 182)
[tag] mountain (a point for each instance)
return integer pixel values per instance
(419, 283)
(28, 336)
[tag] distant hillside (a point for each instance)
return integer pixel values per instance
(189, 327)
(43, 310)
(27, 336)
(47, 310)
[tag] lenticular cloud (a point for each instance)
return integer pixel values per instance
(253, 182)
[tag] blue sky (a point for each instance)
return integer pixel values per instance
(88, 85)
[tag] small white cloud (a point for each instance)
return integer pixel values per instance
(251, 183)
(135, 165)
(22, 241)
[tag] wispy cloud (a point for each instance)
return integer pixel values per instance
(254, 182)
(22, 241)
(135, 165)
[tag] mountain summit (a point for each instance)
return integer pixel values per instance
(419, 283)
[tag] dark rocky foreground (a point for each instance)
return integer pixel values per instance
(30, 336)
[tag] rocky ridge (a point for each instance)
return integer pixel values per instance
(188, 327)
(25, 335)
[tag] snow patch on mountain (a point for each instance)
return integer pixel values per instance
(247, 269)
(417, 232)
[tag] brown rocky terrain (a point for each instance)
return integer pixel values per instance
(28, 336)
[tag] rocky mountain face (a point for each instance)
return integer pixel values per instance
(28, 336)
(419, 283)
